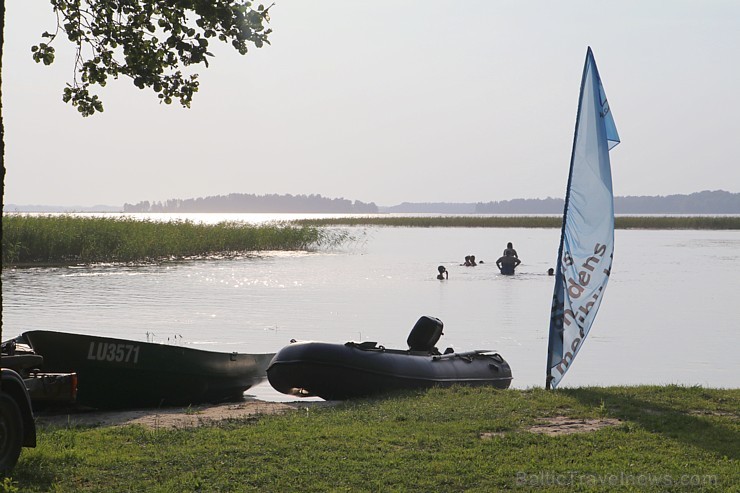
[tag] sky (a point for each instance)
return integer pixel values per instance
(392, 101)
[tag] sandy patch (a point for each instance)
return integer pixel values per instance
(172, 417)
(559, 425)
(562, 425)
(485, 435)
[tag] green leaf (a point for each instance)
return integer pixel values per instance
(100, 28)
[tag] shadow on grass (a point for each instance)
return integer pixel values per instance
(36, 471)
(699, 426)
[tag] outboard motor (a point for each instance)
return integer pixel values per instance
(425, 334)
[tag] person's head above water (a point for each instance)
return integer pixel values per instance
(441, 269)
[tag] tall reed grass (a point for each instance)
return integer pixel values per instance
(64, 239)
(622, 222)
(70, 239)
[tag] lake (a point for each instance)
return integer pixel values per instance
(670, 313)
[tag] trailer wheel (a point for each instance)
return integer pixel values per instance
(11, 433)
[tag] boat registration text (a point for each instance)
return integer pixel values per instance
(110, 351)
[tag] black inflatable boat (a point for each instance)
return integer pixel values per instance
(343, 371)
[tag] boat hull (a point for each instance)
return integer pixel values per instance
(119, 373)
(336, 371)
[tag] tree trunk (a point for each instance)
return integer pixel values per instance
(2, 146)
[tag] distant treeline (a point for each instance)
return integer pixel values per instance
(716, 202)
(706, 202)
(240, 202)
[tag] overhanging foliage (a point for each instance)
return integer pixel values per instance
(149, 41)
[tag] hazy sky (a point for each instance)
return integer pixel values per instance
(391, 101)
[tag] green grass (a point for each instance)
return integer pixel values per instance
(669, 439)
(621, 222)
(68, 239)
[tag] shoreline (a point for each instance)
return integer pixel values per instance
(177, 417)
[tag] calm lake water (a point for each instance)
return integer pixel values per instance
(670, 313)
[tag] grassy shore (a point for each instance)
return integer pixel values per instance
(667, 438)
(68, 239)
(621, 222)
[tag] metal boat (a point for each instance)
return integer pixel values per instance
(119, 373)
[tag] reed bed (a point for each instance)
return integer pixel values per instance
(621, 222)
(69, 239)
(677, 222)
(439, 221)
(65, 239)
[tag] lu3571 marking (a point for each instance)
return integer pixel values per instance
(110, 351)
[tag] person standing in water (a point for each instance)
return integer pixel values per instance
(507, 264)
(510, 251)
(443, 274)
